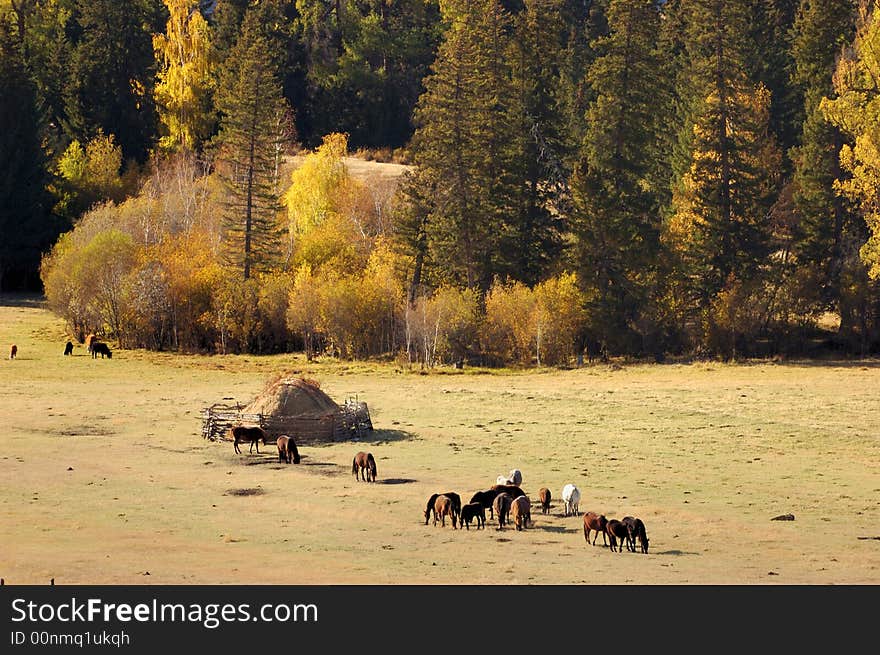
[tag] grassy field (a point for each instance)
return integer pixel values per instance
(107, 480)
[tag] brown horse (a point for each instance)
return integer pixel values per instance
(617, 533)
(636, 529)
(244, 433)
(287, 450)
(544, 496)
(597, 522)
(442, 509)
(456, 504)
(13, 351)
(521, 509)
(364, 467)
(501, 505)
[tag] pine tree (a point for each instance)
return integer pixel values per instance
(616, 188)
(25, 225)
(252, 111)
(185, 78)
(821, 31)
(540, 153)
(462, 142)
(112, 74)
(719, 228)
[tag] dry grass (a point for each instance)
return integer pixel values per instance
(107, 478)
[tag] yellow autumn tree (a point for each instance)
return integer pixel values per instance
(185, 77)
(856, 111)
(324, 209)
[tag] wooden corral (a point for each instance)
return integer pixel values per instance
(350, 421)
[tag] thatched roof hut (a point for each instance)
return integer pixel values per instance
(294, 406)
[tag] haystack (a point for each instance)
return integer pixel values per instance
(289, 396)
(293, 406)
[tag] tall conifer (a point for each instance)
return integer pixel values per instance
(616, 190)
(251, 132)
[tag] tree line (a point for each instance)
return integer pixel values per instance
(630, 177)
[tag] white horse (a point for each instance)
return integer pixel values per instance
(571, 497)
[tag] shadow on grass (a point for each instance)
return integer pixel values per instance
(34, 301)
(553, 528)
(396, 481)
(381, 437)
(676, 553)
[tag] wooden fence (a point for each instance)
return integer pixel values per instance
(351, 421)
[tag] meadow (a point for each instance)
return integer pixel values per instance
(106, 478)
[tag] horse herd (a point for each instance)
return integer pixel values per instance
(505, 500)
(507, 503)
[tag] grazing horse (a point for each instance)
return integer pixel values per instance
(617, 533)
(13, 351)
(511, 490)
(636, 529)
(514, 477)
(521, 509)
(287, 450)
(244, 433)
(502, 508)
(442, 509)
(364, 467)
(544, 497)
(485, 498)
(68, 348)
(456, 504)
(571, 496)
(471, 512)
(597, 522)
(102, 348)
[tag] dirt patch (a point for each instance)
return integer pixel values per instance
(244, 492)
